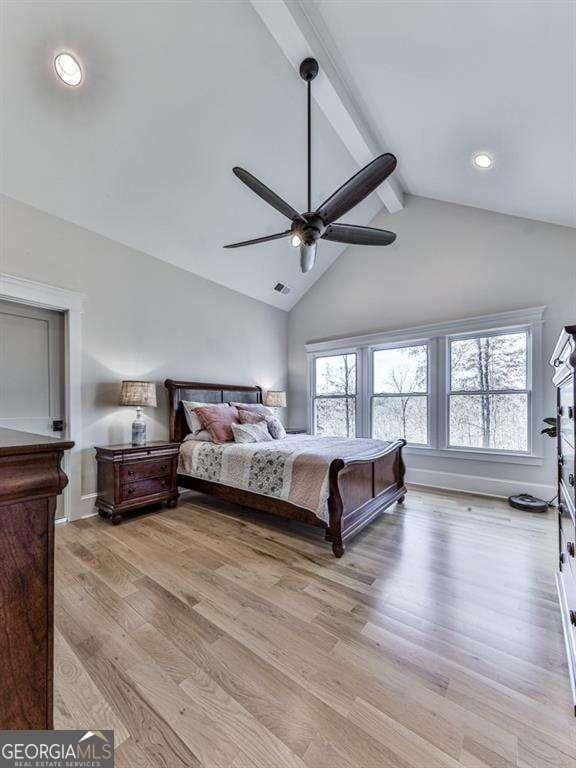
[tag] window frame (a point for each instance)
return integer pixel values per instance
(428, 343)
(312, 388)
(437, 336)
(527, 391)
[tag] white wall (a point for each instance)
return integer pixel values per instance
(143, 318)
(448, 262)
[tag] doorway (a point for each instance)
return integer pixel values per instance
(69, 304)
(32, 372)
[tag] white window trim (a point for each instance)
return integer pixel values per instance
(311, 386)
(436, 336)
(430, 388)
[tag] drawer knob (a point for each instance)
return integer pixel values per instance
(573, 618)
(163, 467)
(570, 548)
(571, 479)
(130, 490)
(557, 362)
(130, 472)
(570, 412)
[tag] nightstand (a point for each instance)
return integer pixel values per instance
(135, 476)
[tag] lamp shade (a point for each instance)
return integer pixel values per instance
(275, 399)
(139, 393)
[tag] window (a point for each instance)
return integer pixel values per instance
(488, 396)
(335, 395)
(400, 394)
(451, 389)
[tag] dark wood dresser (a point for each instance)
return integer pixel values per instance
(564, 362)
(131, 477)
(30, 480)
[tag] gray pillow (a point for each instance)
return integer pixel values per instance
(276, 428)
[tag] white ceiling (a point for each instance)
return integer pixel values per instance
(440, 80)
(178, 93)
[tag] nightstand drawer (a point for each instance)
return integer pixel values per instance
(133, 471)
(149, 487)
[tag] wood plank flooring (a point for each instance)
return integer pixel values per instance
(213, 636)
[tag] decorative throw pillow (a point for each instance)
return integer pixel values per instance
(254, 408)
(194, 423)
(276, 428)
(250, 417)
(251, 433)
(203, 436)
(218, 420)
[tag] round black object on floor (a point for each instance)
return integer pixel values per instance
(527, 503)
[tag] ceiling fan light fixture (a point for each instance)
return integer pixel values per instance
(296, 241)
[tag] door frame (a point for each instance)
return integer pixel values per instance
(71, 303)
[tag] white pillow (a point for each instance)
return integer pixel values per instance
(194, 423)
(203, 436)
(251, 433)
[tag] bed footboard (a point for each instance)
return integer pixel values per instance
(361, 489)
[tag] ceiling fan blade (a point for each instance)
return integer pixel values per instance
(256, 240)
(265, 193)
(357, 188)
(307, 257)
(350, 233)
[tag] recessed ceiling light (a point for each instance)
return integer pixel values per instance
(68, 68)
(483, 160)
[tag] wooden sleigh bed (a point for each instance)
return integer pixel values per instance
(360, 489)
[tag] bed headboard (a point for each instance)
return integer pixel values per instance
(202, 393)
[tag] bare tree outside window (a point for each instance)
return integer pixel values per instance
(400, 394)
(488, 395)
(335, 396)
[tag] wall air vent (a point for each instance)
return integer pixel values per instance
(281, 288)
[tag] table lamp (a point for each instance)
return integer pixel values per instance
(275, 399)
(141, 394)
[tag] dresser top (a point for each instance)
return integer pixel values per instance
(13, 442)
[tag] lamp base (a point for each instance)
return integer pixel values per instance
(139, 430)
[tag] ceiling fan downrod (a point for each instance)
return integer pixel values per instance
(308, 71)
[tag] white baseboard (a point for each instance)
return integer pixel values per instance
(485, 486)
(87, 508)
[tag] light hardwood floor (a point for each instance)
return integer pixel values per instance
(205, 637)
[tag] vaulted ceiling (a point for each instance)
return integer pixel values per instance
(176, 94)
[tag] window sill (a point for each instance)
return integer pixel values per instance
(475, 455)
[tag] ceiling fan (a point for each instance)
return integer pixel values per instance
(307, 228)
